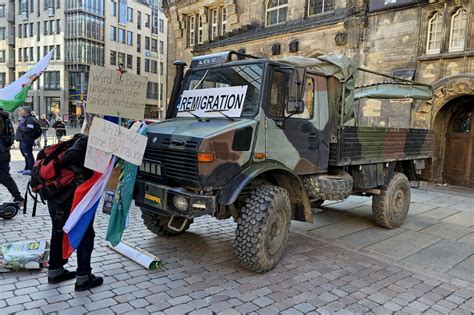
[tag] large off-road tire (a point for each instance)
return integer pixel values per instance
(328, 187)
(263, 228)
(159, 224)
(390, 208)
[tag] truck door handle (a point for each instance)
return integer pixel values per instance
(313, 136)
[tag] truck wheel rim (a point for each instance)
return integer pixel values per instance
(399, 202)
(276, 232)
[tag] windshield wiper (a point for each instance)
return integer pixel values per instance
(220, 112)
(190, 111)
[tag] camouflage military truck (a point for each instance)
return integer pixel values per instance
(264, 141)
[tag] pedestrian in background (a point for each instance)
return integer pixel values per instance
(26, 135)
(60, 128)
(52, 117)
(44, 123)
(59, 208)
(7, 136)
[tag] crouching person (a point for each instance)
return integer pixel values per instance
(59, 208)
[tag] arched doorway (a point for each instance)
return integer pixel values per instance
(459, 160)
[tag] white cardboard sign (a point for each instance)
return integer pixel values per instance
(120, 141)
(96, 160)
(111, 93)
(206, 102)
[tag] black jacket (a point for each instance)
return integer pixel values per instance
(73, 159)
(3, 117)
(25, 127)
(60, 128)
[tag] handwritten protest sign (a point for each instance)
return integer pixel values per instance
(120, 141)
(112, 93)
(96, 160)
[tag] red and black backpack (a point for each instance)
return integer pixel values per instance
(48, 177)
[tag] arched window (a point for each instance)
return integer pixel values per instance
(458, 31)
(435, 28)
(277, 11)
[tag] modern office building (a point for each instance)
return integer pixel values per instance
(82, 33)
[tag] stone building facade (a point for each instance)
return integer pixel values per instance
(425, 40)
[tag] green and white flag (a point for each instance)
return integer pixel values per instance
(14, 94)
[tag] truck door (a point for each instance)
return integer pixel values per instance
(299, 141)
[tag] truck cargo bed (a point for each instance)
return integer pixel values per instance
(367, 145)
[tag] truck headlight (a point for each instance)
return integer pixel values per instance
(180, 202)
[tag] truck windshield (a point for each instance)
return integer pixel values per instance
(241, 75)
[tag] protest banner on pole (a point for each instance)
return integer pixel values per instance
(111, 92)
(96, 160)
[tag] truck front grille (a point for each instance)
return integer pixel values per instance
(178, 166)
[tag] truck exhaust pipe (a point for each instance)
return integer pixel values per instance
(178, 80)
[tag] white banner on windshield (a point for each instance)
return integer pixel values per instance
(208, 102)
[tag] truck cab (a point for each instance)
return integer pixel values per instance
(260, 141)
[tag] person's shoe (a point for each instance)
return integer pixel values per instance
(92, 282)
(66, 275)
(20, 202)
(27, 173)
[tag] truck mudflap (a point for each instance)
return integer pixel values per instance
(173, 201)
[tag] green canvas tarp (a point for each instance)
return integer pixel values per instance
(394, 90)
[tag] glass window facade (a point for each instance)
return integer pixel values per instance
(51, 80)
(113, 58)
(91, 6)
(84, 52)
(80, 24)
(122, 12)
(152, 90)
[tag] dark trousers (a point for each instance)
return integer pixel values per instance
(5, 177)
(26, 149)
(84, 251)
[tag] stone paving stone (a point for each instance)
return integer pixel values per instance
(417, 208)
(369, 236)
(328, 218)
(439, 213)
(464, 269)
(447, 230)
(343, 228)
(469, 239)
(418, 222)
(441, 256)
(403, 244)
(463, 218)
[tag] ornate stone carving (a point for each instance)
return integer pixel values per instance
(341, 38)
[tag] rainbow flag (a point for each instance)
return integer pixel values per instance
(84, 205)
(14, 94)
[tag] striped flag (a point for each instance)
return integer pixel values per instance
(14, 94)
(84, 205)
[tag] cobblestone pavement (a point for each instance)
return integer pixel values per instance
(201, 274)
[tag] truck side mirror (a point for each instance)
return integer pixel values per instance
(295, 103)
(295, 107)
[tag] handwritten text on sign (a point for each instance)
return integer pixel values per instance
(120, 141)
(207, 102)
(115, 94)
(96, 160)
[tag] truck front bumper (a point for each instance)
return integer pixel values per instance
(172, 201)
